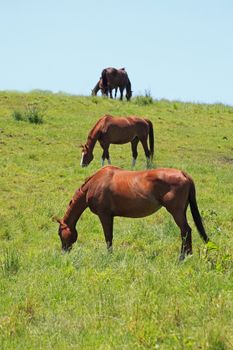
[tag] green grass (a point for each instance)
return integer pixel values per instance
(140, 296)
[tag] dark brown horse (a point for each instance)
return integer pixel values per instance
(112, 192)
(119, 130)
(113, 78)
(99, 86)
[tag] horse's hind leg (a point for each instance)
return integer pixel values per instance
(179, 215)
(186, 234)
(147, 152)
(134, 145)
(186, 237)
(106, 220)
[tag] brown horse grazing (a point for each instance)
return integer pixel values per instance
(113, 78)
(99, 86)
(112, 192)
(119, 130)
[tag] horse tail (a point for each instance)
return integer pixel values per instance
(195, 211)
(151, 138)
(104, 79)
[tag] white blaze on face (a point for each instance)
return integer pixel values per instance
(81, 162)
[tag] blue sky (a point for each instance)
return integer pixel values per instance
(179, 50)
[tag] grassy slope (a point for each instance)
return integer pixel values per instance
(139, 297)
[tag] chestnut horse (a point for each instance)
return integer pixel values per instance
(112, 192)
(99, 86)
(113, 78)
(119, 130)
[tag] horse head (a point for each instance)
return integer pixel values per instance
(87, 156)
(67, 235)
(128, 95)
(128, 90)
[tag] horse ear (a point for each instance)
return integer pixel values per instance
(84, 147)
(56, 219)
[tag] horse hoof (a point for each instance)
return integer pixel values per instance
(110, 250)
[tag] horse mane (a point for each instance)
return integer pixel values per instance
(96, 88)
(79, 192)
(90, 137)
(81, 188)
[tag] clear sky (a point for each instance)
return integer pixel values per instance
(178, 50)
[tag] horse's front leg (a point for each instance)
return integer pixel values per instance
(102, 159)
(105, 92)
(106, 220)
(110, 93)
(105, 154)
(115, 92)
(121, 93)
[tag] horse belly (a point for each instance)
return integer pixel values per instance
(137, 208)
(120, 141)
(118, 135)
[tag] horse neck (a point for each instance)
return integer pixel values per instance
(93, 137)
(96, 88)
(128, 86)
(76, 207)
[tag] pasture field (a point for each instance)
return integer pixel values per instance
(140, 296)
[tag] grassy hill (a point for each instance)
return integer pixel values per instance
(139, 297)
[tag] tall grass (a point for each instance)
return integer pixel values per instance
(10, 262)
(144, 100)
(32, 114)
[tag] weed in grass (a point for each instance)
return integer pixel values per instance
(10, 263)
(143, 100)
(218, 341)
(217, 260)
(6, 234)
(18, 115)
(32, 114)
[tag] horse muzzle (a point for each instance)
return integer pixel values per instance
(66, 249)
